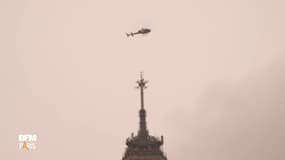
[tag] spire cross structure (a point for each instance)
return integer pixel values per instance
(142, 85)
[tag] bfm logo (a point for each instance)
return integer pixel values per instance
(27, 141)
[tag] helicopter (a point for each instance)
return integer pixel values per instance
(141, 31)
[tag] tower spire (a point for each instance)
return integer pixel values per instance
(142, 85)
(143, 146)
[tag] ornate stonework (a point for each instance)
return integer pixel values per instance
(143, 146)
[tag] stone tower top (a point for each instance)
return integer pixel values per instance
(143, 146)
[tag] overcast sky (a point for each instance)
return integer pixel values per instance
(215, 70)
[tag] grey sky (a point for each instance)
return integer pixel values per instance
(216, 72)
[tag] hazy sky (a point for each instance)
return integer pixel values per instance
(216, 72)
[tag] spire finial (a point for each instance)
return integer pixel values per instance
(142, 85)
(141, 73)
